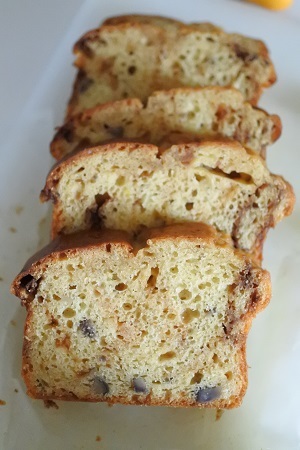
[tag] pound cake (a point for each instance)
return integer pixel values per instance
(134, 57)
(159, 321)
(128, 185)
(175, 115)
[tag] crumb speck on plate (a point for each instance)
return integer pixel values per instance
(1, 279)
(2, 403)
(12, 229)
(18, 209)
(98, 438)
(16, 390)
(13, 323)
(110, 405)
(219, 414)
(50, 404)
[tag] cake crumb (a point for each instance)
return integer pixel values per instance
(50, 404)
(12, 229)
(219, 414)
(16, 390)
(1, 279)
(13, 323)
(2, 403)
(18, 209)
(98, 438)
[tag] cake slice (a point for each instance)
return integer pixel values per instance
(162, 320)
(173, 116)
(134, 57)
(129, 185)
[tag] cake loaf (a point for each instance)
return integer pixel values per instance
(159, 321)
(129, 185)
(134, 56)
(173, 116)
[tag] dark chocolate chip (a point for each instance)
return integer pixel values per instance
(100, 386)
(139, 385)
(67, 132)
(116, 132)
(30, 284)
(83, 46)
(205, 395)
(244, 54)
(83, 82)
(86, 326)
(92, 218)
(101, 199)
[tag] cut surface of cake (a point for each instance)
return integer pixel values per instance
(161, 320)
(128, 185)
(133, 58)
(184, 114)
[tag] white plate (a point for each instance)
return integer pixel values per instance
(270, 415)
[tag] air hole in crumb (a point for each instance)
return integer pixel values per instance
(197, 378)
(215, 358)
(119, 336)
(69, 312)
(199, 177)
(56, 297)
(62, 256)
(151, 282)
(72, 287)
(120, 181)
(228, 375)
(191, 115)
(166, 356)
(194, 193)
(108, 248)
(189, 206)
(174, 269)
(121, 287)
(185, 294)
(40, 299)
(70, 323)
(189, 314)
(171, 316)
(70, 268)
(127, 306)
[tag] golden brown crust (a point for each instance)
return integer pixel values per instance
(141, 18)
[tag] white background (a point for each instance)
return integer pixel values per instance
(35, 68)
